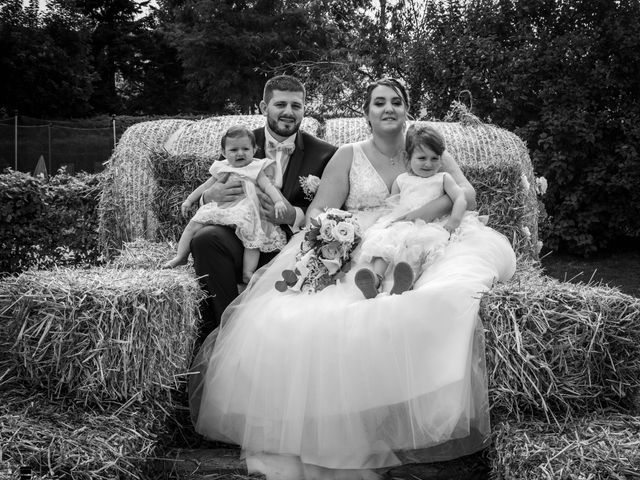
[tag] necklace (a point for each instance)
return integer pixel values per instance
(392, 160)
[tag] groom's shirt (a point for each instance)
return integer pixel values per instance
(281, 152)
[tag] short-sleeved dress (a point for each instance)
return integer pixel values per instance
(251, 228)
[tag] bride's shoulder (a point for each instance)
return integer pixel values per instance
(344, 154)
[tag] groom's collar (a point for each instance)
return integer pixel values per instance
(269, 138)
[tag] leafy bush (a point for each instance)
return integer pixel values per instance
(565, 76)
(48, 222)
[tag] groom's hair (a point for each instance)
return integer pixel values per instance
(238, 131)
(423, 135)
(393, 84)
(284, 83)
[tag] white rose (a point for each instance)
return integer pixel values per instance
(313, 183)
(343, 232)
(526, 231)
(541, 185)
(326, 230)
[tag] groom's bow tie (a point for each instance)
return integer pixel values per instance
(285, 148)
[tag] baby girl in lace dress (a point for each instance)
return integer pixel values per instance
(402, 239)
(256, 233)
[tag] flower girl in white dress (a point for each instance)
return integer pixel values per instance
(256, 234)
(402, 239)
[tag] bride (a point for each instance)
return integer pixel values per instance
(331, 385)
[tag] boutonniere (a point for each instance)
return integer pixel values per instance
(309, 185)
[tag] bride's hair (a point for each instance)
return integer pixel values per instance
(424, 135)
(393, 84)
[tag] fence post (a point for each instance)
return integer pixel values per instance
(15, 137)
(49, 129)
(113, 123)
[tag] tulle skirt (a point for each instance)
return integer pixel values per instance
(330, 385)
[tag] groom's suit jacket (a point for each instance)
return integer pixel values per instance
(310, 157)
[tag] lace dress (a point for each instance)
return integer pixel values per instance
(418, 243)
(250, 227)
(333, 386)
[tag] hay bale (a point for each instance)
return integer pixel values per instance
(497, 164)
(126, 182)
(60, 441)
(604, 447)
(126, 206)
(557, 349)
(203, 138)
(148, 255)
(176, 177)
(102, 334)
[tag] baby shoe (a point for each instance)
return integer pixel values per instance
(367, 282)
(402, 278)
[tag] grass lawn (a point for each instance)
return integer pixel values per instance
(619, 269)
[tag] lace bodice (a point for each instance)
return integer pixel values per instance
(367, 189)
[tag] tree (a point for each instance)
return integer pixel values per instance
(45, 62)
(229, 48)
(115, 25)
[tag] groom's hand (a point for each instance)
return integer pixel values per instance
(221, 192)
(267, 209)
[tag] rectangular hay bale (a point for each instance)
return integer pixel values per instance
(595, 448)
(56, 440)
(558, 349)
(103, 333)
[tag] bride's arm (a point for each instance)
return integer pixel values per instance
(442, 205)
(334, 185)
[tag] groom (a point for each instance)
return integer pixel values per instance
(216, 250)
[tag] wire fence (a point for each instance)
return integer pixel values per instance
(27, 144)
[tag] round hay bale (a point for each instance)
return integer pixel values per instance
(495, 161)
(125, 209)
(203, 138)
(126, 183)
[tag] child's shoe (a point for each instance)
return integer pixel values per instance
(402, 278)
(368, 282)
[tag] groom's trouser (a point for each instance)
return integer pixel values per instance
(217, 257)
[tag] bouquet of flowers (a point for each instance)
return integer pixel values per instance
(325, 252)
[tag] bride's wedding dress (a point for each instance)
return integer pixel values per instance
(331, 385)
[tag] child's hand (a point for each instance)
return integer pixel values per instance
(451, 224)
(185, 207)
(280, 208)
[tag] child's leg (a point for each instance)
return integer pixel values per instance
(369, 280)
(182, 253)
(249, 263)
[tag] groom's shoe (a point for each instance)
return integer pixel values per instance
(367, 281)
(402, 278)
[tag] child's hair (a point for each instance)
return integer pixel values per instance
(423, 135)
(284, 83)
(238, 131)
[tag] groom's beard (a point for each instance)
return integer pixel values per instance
(286, 129)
